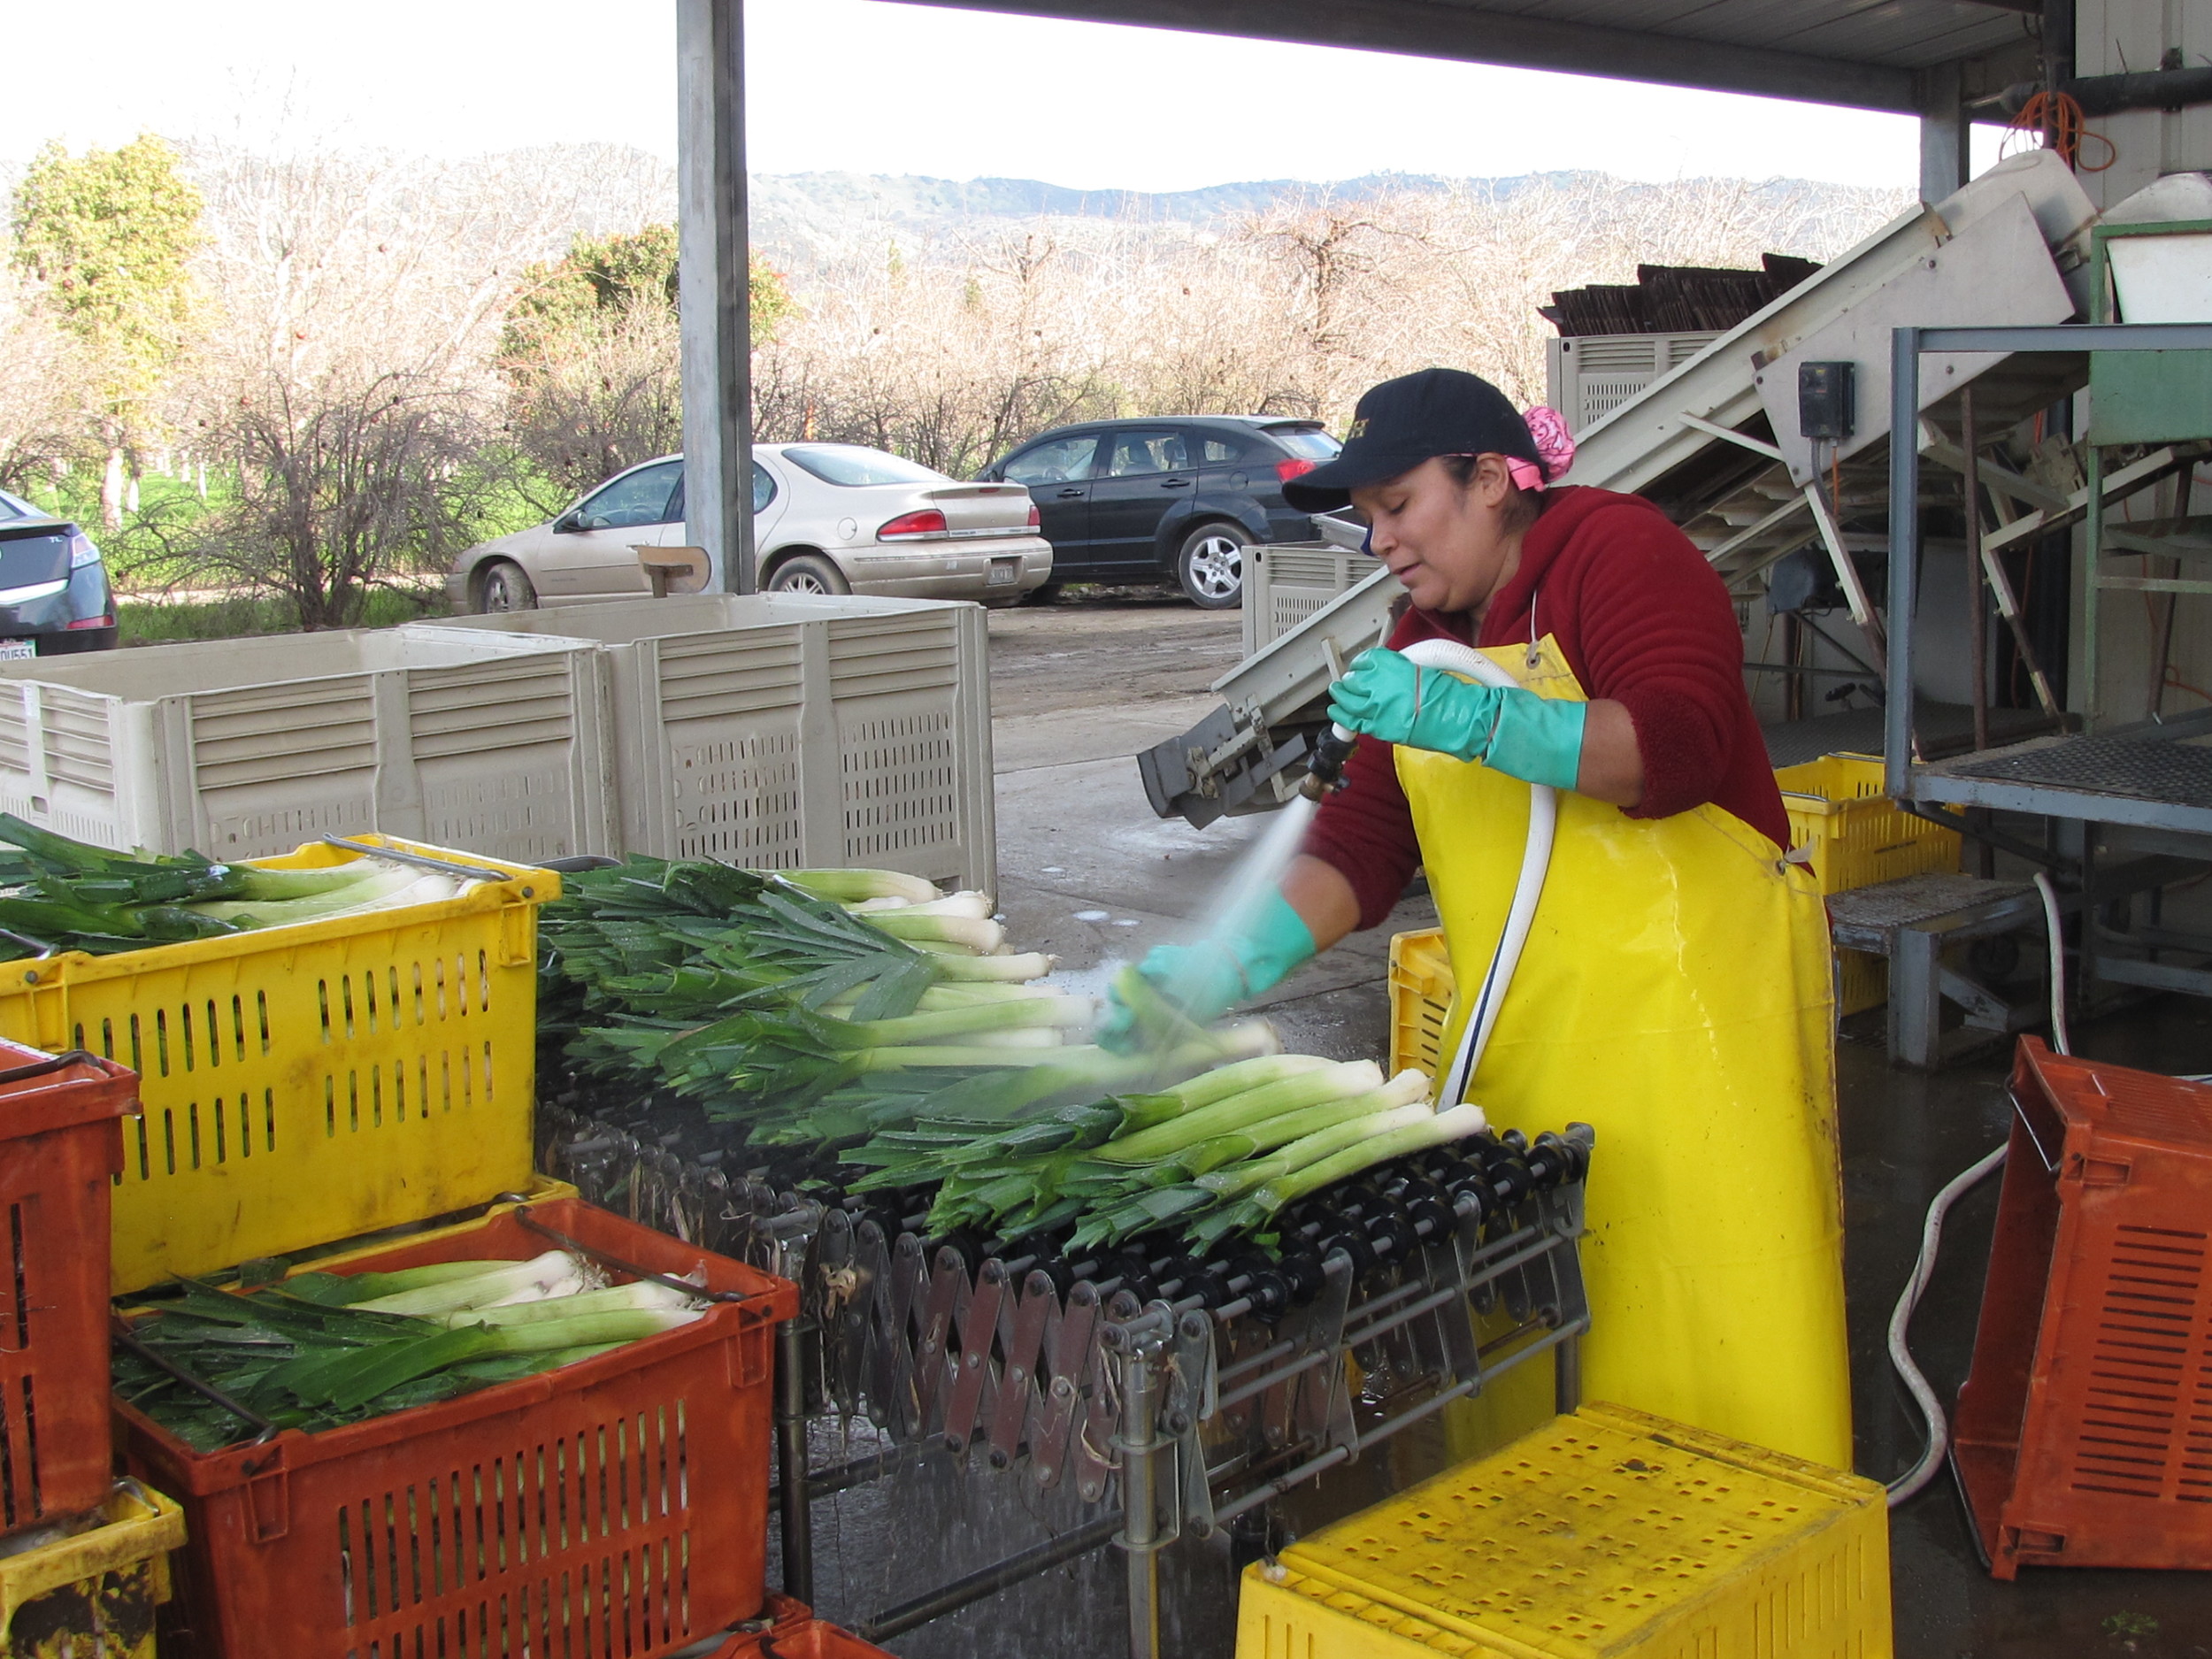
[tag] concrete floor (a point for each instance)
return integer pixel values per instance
(1088, 872)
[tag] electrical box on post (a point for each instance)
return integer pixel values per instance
(1827, 400)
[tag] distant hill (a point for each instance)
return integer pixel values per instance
(801, 218)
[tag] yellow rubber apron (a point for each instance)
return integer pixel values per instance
(1674, 995)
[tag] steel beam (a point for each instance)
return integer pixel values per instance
(1472, 33)
(1945, 156)
(712, 289)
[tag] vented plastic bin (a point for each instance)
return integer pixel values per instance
(2084, 1434)
(1589, 376)
(1607, 1533)
(61, 1145)
(790, 1630)
(618, 1506)
(93, 1596)
(1855, 834)
(785, 732)
(1420, 999)
(310, 1082)
(241, 747)
(1284, 582)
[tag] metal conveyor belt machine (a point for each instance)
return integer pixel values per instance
(1715, 444)
(1169, 1392)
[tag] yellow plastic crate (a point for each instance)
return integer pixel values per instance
(95, 1592)
(1855, 834)
(1609, 1534)
(1862, 981)
(313, 1082)
(1420, 999)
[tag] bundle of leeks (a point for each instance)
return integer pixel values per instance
(320, 1350)
(817, 1006)
(1214, 1156)
(56, 893)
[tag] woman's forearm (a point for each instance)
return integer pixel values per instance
(1325, 900)
(1612, 765)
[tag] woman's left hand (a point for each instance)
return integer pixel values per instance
(1389, 696)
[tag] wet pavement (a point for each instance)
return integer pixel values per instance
(1088, 872)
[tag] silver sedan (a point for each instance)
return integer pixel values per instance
(827, 519)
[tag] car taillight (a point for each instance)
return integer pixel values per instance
(928, 522)
(1036, 519)
(1295, 467)
(90, 622)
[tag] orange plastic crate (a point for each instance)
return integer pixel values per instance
(615, 1506)
(61, 1146)
(2084, 1434)
(791, 1632)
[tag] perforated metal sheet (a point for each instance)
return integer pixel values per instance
(2180, 772)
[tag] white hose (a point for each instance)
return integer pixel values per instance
(1921, 1473)
(1543, 822)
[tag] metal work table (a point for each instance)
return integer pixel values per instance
(2142, 791)
(2157, 775)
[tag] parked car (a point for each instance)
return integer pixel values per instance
(54, 599)
(1170, 498)
(827, 519)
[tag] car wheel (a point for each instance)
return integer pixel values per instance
(1210, 566)
(505, 587)
(808, 573)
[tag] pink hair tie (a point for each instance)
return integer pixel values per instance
(1554, 451)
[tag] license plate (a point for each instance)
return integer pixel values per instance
(15, 650)
(1003, 573)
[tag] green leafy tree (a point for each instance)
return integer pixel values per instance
(110, 234)
(591, 353)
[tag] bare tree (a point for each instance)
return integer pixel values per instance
(45, 393)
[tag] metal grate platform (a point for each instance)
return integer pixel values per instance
(1862, 916)
(2141, 766)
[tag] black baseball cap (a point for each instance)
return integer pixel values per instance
(1404, 422)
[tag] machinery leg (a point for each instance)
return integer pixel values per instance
(1566, 1361)
(1140, 1444)
(1916, 999)
(791, 1460)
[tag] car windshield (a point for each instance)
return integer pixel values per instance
(642, 497)
(851, 465)
(26, 561)
(1310, 442)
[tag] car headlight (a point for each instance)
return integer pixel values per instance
(81, 552)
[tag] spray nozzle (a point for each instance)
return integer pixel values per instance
(1324, 766)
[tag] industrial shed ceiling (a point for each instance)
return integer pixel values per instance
(1866, 54)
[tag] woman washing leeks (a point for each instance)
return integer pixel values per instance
(1674, 989)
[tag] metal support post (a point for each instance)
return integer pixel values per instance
(1945, 157)
(1566, 1361)
(791, 1457)
(1139, 1444)
(1904, 559)
(713, 291)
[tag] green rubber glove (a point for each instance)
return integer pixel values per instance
(1206, 979)
(1388, 695)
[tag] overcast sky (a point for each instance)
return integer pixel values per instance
(868, 87)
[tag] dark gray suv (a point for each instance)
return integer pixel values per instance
(1166, 498)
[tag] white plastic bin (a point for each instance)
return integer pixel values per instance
(241, 747)
(1286, 582)
(780, 731)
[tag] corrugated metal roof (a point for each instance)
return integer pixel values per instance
(1862, 53)
(1899, 34)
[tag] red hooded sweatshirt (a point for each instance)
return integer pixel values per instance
(1645, 622)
